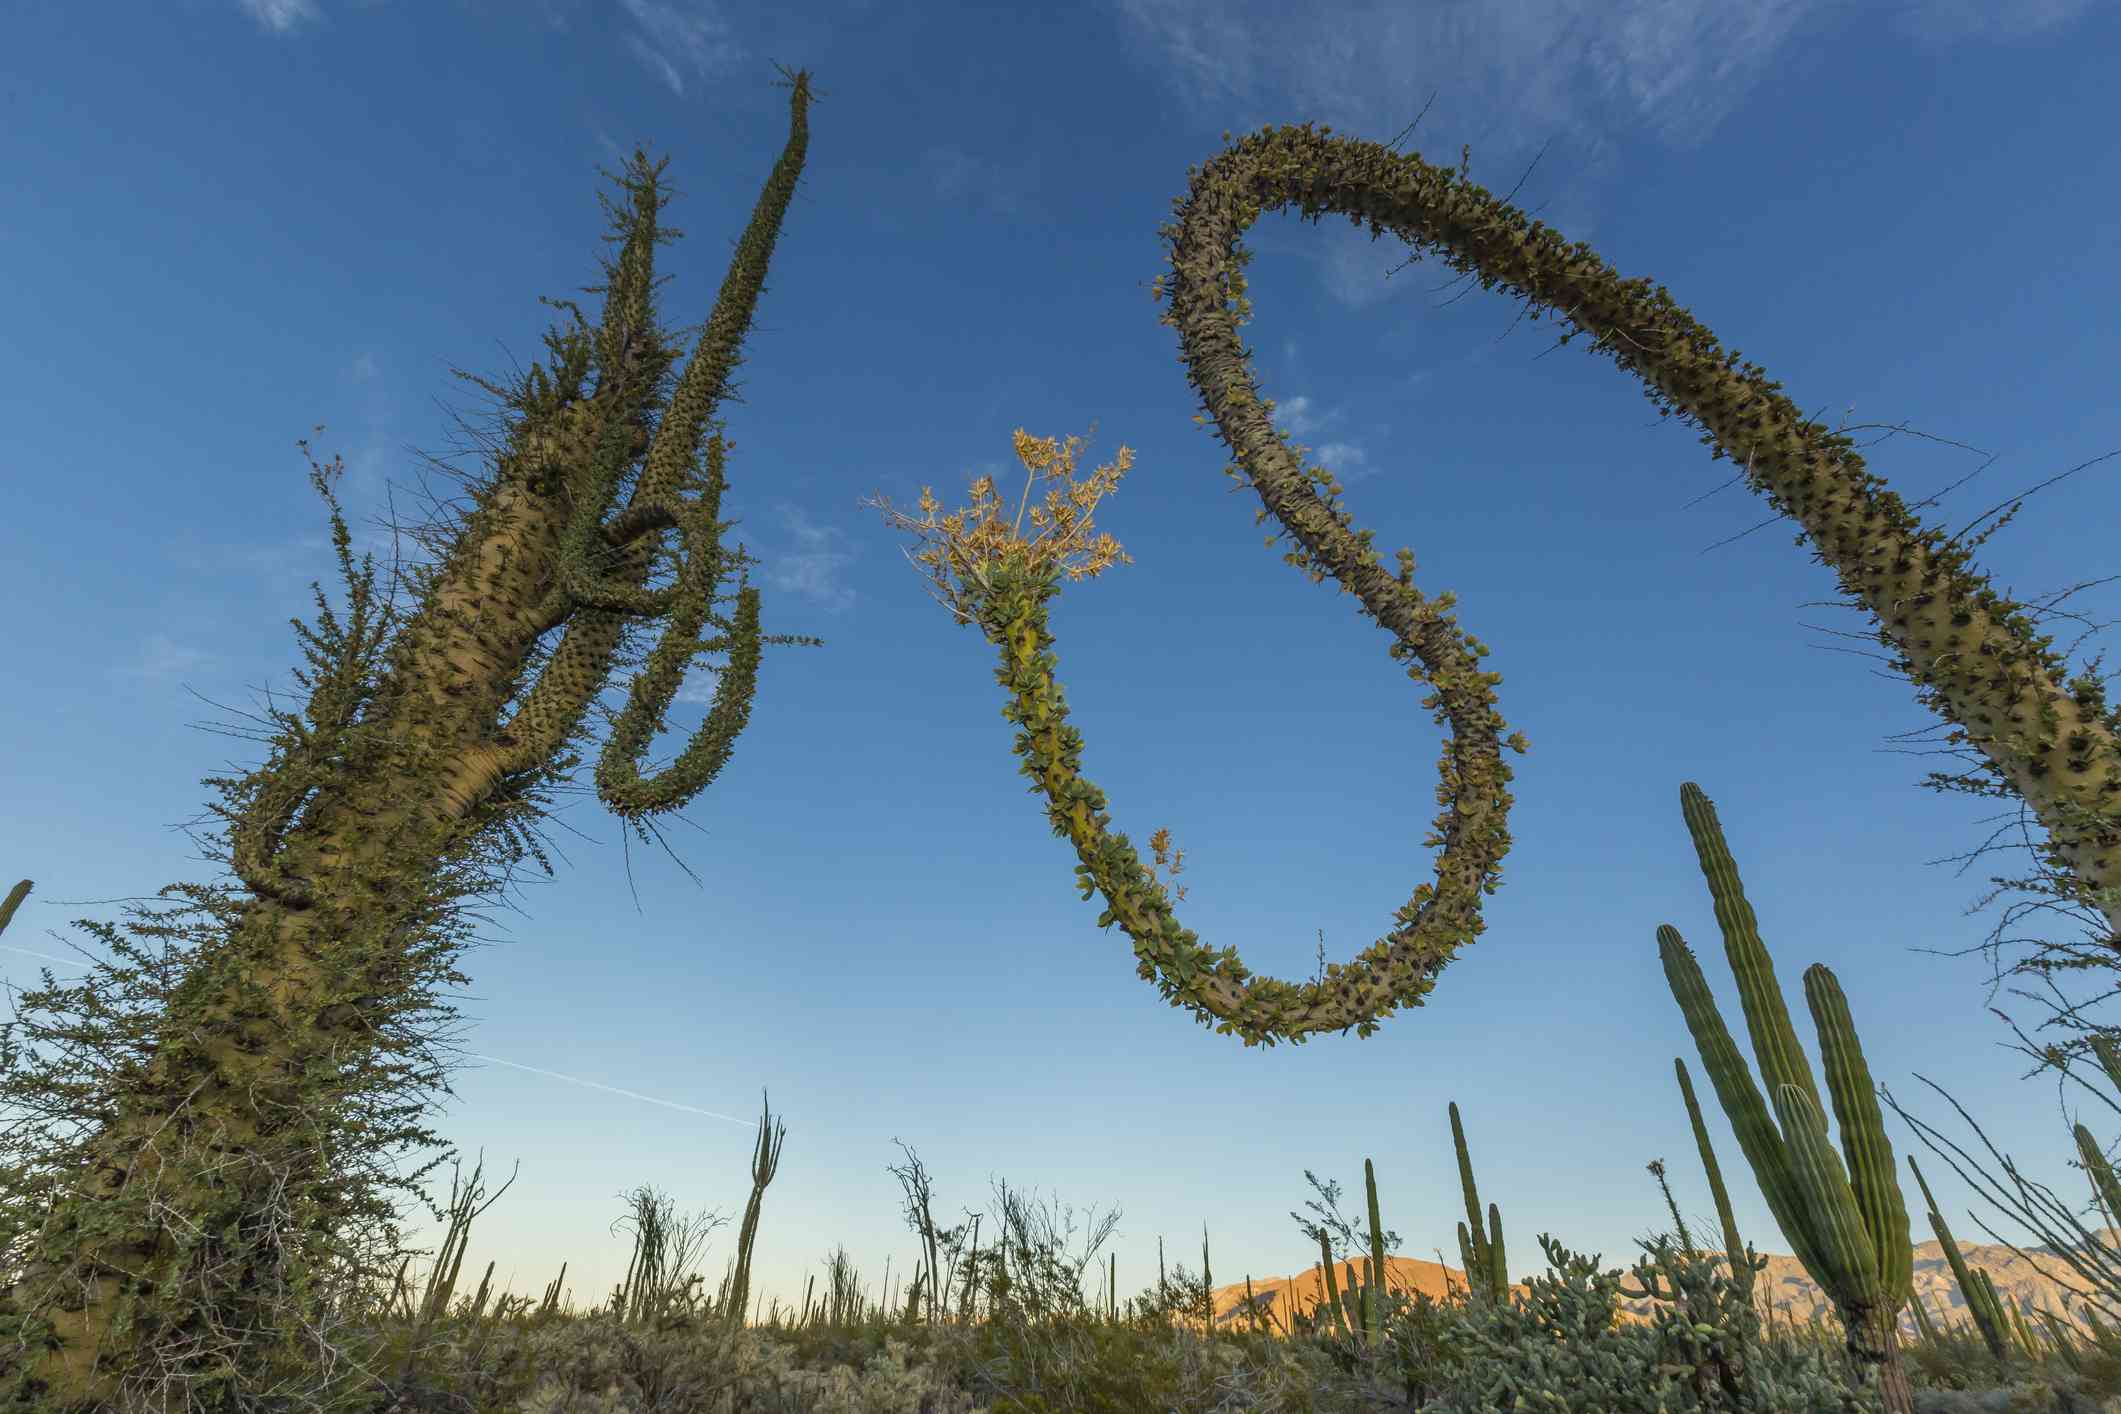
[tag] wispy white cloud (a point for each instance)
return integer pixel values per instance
(674, 35)
(812, 568)
(281, 16)
(1348, 462)
(1509, 77)
(1295, 415)
(1945, 21)
(1530, 67)
(618, 152)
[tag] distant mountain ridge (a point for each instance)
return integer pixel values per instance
(1782, 1288)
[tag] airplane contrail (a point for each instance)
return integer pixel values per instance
(571, 1079)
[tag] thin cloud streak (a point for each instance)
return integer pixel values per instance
(495, 1060)
(694, 32)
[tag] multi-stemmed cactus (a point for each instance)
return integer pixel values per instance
(1847, 1226)
(1487, 1268)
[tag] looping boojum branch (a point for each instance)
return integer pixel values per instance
(1973, 654)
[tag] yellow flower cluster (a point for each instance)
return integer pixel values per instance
(1065, 518)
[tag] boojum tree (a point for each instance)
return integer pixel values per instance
(1973, 654)
(221, 1145)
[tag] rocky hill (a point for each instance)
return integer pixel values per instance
(1782, 1288)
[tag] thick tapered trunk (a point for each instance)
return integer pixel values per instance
(1873, 1348)
(233, 1114)
(241, 1088)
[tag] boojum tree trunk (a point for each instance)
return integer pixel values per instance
(341, 849)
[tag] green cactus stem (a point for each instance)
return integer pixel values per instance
(1325, 1270)
(1374, 1326)
(1487, 1270)
(1981, 1298)
(1848, 1227)
(1742, 1268)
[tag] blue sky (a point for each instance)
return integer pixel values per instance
(244, 220)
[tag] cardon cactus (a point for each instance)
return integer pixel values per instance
(1848, 1227)
(1981, 1298)
(1487, 1269)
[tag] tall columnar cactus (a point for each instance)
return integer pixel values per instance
(1973, 655)
(1848, 1227)
(354, 840)
(1741, 1259)
(1487, 1269)
(1325, 1267)
(1743, 1262)
(1374, 1327)
(1207, 1285)
(1981, 1298)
